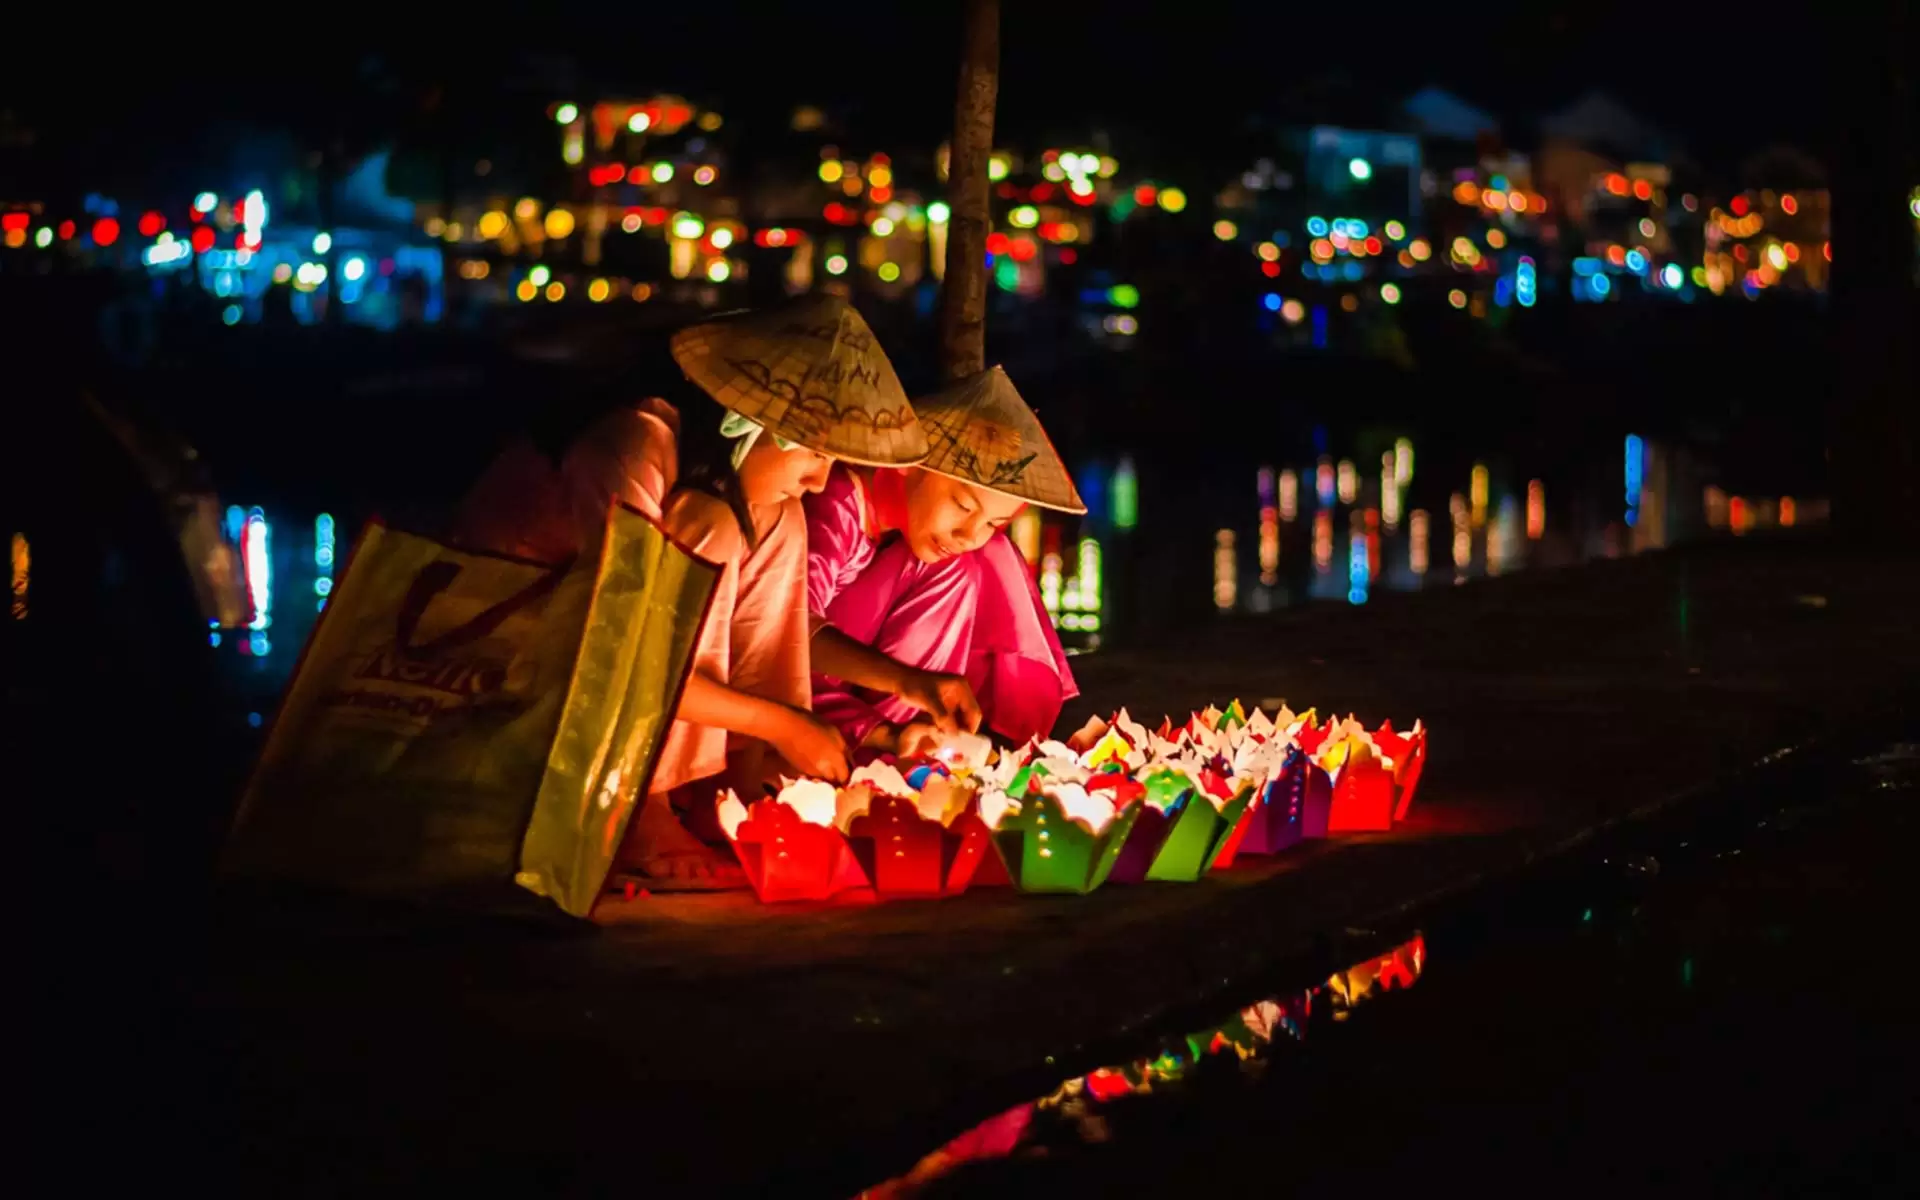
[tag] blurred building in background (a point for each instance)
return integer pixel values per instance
(646, 197)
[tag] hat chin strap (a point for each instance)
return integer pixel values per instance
(747, 431)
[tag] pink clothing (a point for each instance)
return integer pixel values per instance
(977, 614)
(756, 634)
(525, 506)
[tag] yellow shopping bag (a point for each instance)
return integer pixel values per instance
(460, 719)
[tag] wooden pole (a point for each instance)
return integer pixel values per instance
(963, 296)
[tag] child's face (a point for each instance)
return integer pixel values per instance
(770, 475)
(946, 517)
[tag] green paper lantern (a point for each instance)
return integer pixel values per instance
(1196, 836)
(1047, 851)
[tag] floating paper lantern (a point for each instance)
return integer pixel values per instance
(1369, 791)
(906, 854)
(1294, 804)
(1180, 830)
(1059, 837)
(962, 751)
(1409, 754)
(789, 846)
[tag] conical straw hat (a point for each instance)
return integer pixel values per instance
(811, 372)
(983, 433)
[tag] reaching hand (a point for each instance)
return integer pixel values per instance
(916, 739)
(947, 700)
(814, 747)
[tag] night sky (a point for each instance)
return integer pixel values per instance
(1171, 79)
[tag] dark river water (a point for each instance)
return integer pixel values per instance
(1701, 1006)
(1334, 530)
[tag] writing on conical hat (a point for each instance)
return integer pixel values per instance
(813, 373)
(982, 432)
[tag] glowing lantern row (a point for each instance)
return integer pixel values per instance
(813, 841)
(1115, 802)
(1171, 805)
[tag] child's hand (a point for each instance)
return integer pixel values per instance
(948, 700)
(916, 739)
(814, 747)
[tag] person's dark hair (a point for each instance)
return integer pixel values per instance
(643, 366)
(706, 458)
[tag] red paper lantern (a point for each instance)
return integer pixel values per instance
(905, 854)
(786, 858)
(1409, 754)
(1362, 799)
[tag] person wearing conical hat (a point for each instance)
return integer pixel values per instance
(799, 388)
(930, 619)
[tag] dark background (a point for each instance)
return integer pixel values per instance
(1181, 83)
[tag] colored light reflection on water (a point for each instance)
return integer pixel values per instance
(1226, 571)
(1357, 568)
(323, 556)
(1269, 528)
(1489, 531)
(276, 562)
(1252, 1037)
(1636, 467)
(1126, 495)
(257, 558)
(1082, 593)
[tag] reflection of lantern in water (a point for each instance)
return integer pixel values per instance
(1536, 510)
(1349, 482)
(1323, 541)
(1403, 461)
(1788, 512)
(1417, 541)
(1226, 584)
(1323, 483)
(1289, 495)
(1477, 494)
(1050, 582)
(1373, 543)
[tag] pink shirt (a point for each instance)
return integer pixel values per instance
(526, 507)
(977, 615)
(840, 540)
